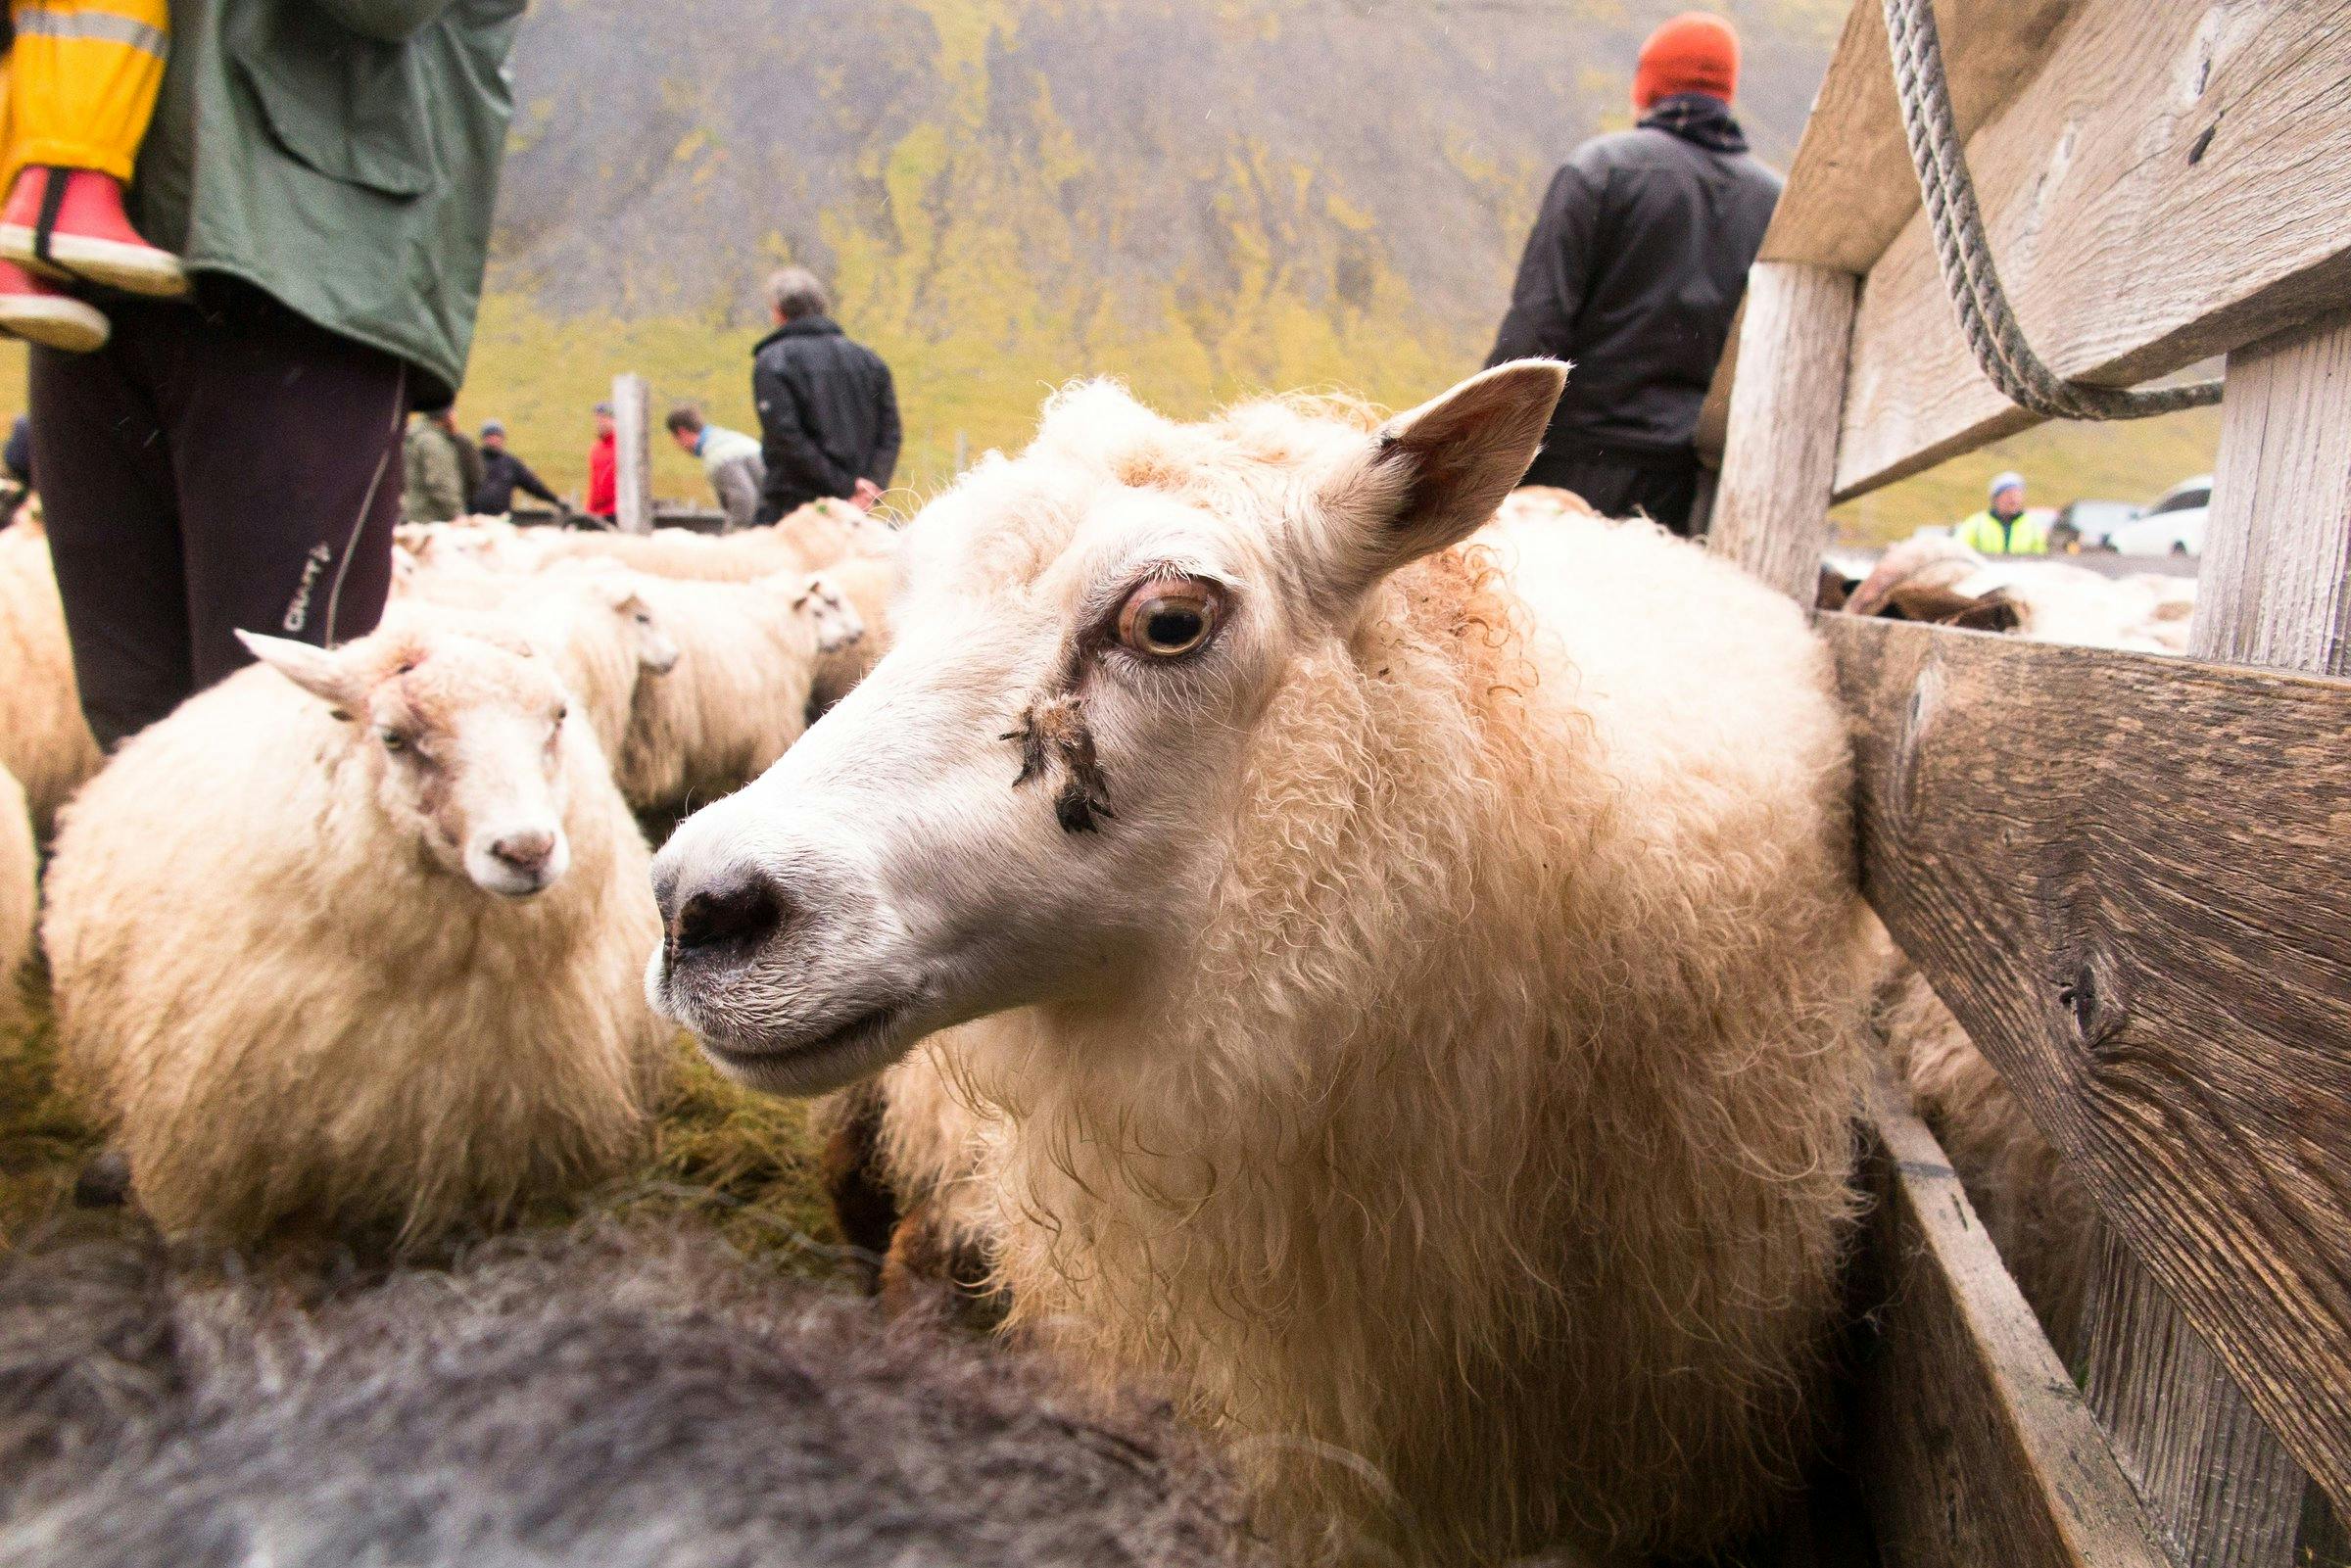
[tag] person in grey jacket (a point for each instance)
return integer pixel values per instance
(730, 459)
(1633, 273)
(827, 412)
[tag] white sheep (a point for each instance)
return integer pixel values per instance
(1410, 979)
(351, 940)
(748, 655)
(44, 740)
(2054, 599)
(589, 617)
(817, 536)
(20, 894)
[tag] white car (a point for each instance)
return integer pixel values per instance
(2173, 526)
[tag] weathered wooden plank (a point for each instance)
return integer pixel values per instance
(1850, 187)
(2175, 182)
(2274, 587)
(2218, 1485)
(1976, 1449)
(2271, 591)
(631, 422)
(1771, 507)
(2129, 878)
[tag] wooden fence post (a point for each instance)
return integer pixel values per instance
(1772, 505)
(632, 418)
(2275, 588)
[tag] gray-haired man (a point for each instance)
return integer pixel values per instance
(828, 414)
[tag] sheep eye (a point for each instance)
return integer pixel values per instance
(1170, 617)
(393, 739)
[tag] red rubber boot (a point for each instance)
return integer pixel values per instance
(38, 314)
(70, 222)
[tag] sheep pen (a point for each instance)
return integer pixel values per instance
(609, 1396)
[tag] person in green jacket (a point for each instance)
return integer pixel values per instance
(2004, 528)
(324, 171)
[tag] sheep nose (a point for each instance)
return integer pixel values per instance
(738, 909)
(527, 851)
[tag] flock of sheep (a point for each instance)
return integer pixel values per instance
(1366, 956)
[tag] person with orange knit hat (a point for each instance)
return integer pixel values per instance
(1632, 273)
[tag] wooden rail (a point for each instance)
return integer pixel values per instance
(1850, 188)
(2136, 200)
(2129, 878)
(1976, 1449)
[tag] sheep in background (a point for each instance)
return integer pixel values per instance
(493, 544)
(20, 894)
(2047, 600)
(589, 617)
(747, 654)
(2038, 1217)
(44, 740)
(868, 582)
(353, 940)
(680, 552)
(816, 537)
(608, 1397)
(1414, 976)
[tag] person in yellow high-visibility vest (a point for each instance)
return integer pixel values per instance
(82, 79)
(2004, 528)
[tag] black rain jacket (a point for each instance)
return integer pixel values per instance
(1633, 273)
(828, 415)
(502, 474)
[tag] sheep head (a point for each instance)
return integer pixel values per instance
(828, 610)
(1031, 800)
(657, 650)
(463, 735)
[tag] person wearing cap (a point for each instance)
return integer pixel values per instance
(2004, 527)
(1632, 274)
(502, 474)
(603, 468)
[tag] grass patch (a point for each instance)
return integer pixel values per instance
(722, 1157)
(44, 1141)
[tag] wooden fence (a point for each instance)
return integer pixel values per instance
(2128, 877)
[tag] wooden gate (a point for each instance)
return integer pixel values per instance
(2127, 876)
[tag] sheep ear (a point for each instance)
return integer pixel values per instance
(1432, 477)
(313, 669)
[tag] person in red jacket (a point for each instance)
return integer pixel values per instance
(603, 468)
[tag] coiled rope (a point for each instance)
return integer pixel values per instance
(1949, 194)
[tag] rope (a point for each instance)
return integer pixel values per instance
(1986, 319)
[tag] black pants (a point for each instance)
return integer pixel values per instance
(1660, 485)
(210, 471)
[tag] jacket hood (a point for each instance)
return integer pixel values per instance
(1701, 119)
(808, 326)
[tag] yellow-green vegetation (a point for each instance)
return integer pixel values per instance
(720, 1157)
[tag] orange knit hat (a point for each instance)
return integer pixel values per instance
(1694, 53)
